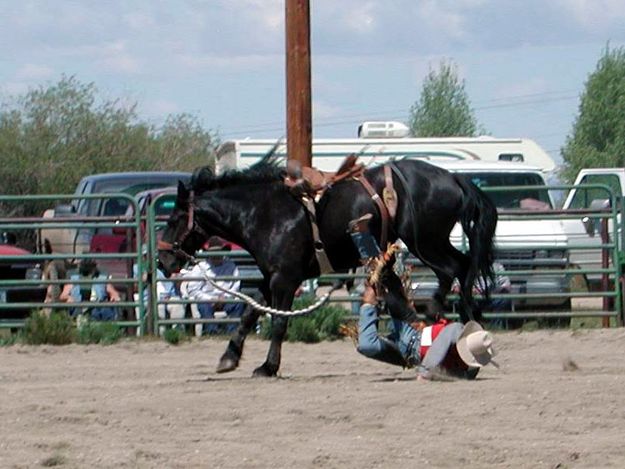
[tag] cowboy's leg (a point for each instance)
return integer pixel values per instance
(366, 244)
(362, 238)
(440, 347)
(370, 344)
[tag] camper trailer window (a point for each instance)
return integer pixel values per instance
(517, 157)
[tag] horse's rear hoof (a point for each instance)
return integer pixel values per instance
(264, 371)
(227, 364)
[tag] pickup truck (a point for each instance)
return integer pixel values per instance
(73, 240)
(583, 232)
(520, 244)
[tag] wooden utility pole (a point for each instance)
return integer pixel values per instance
(298, 94)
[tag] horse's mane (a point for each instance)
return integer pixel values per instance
(203, 179)
(265, 171)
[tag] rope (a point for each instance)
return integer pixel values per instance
(266, 309)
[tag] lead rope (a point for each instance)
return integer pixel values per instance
(266, 309)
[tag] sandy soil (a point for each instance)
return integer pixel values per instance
(148, 404)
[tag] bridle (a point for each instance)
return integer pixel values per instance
(192, 227)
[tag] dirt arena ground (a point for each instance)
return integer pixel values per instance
(151, 405)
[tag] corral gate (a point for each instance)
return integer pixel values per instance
(604, 301)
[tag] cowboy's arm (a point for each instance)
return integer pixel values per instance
(440, 347)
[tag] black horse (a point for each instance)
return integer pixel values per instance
(255, 209)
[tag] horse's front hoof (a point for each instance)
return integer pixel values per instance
(264, 371)
(227, 364)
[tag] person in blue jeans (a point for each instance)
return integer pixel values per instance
(208, 298)
(102, 293)
(460, 350)
(457, 349)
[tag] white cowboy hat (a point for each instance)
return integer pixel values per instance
(475, 346)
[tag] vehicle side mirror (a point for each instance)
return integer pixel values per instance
(64, 210)
(589, 226)
(591, 223)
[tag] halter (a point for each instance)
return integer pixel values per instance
(192, 227)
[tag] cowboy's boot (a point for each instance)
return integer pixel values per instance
(362, 238)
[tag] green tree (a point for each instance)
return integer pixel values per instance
(598, 135)
(443, 109)
(54, 135)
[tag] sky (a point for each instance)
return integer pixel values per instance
(524, 63)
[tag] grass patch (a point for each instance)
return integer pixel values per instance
(57, 329)
(104, 333)
(322, 324)
(9, 339)
(173, 336)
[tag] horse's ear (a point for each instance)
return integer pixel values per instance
(202, 178)
(182, 198)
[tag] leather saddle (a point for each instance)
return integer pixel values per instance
(312, 182)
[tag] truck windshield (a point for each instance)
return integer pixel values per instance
(512, 199)
(115, 207)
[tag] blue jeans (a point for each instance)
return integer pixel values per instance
(395, 349)
(103, 314)
(207, 311)
(366, 245)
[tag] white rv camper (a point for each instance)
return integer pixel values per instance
(329, 153)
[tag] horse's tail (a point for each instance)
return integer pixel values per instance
(479, 221)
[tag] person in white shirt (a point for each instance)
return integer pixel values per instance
(166, 290)
(210, 300)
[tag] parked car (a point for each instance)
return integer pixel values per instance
(11, 269)
(163, 199)
(584, 231)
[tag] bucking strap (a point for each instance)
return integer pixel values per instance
(384, 213)
(320, 253)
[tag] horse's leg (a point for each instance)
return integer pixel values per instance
(230, 359)
(446, 264)
(469, 310)
(283, 294)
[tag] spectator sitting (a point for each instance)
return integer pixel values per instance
(208, 298)
(96, 292)
(55, 269)
(166, 290)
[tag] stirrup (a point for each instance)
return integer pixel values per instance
(359, 224)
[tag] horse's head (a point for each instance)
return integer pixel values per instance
(183, 235)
